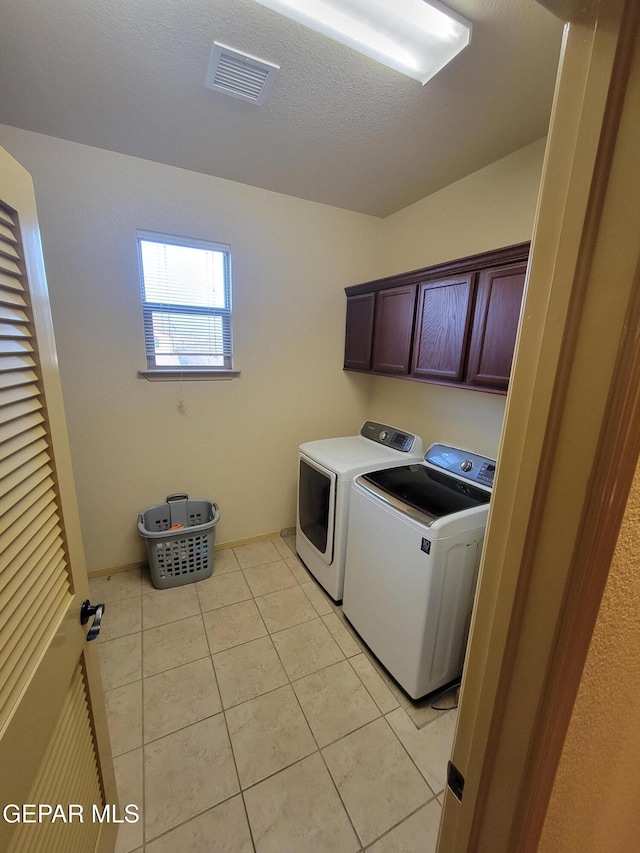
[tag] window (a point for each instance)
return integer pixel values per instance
(186, 304)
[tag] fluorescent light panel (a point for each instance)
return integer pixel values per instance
(414, 37)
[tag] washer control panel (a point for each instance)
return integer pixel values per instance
(463, 463)
(388, 436)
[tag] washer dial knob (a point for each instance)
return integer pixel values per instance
(383, 435)
(466, 465)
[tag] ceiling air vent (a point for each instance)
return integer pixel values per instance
(239, 74)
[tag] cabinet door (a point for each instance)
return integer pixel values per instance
(359, 332)
(444, 310)
(495, 325)
(392, 331)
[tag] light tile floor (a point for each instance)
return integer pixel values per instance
(246, 715)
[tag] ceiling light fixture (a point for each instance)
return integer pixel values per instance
(415, 37)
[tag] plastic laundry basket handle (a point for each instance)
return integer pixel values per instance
(179, 496)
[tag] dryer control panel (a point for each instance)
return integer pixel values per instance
(388, 436)
(462, 463)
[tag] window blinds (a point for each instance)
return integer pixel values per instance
(186, 299)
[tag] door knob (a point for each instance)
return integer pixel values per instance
(87, 610)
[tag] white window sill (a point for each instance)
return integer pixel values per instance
(172, 374)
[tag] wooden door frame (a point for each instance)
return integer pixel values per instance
(569, 448)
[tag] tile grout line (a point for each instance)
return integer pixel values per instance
(290, 682)
(382, 715)
(187, 820)
(235, 764)
(318, 749)
(400, 822)
(341, 798)
(183, 728)
(226, 724)
(411, 758)
(242, 789)
(224, 710)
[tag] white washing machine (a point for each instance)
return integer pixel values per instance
(326, 469)
(415, 540)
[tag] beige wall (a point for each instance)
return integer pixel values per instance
(489, 209)
(235, 442)
(595, 801)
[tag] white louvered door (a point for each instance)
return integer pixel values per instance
(53, 742)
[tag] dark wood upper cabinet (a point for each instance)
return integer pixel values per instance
(393, 329)
(495, 325)
(442, 325)
(359, 332)
(453, 323)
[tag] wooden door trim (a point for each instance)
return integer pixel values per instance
(498, 745)
(589, 564)
(615, 462)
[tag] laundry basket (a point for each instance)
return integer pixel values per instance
(180, 536)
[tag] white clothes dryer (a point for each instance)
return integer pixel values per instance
(326, 469)
(415, 540)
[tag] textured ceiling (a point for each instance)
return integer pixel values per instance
(336, 128)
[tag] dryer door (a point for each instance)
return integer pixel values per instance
(316, 506)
